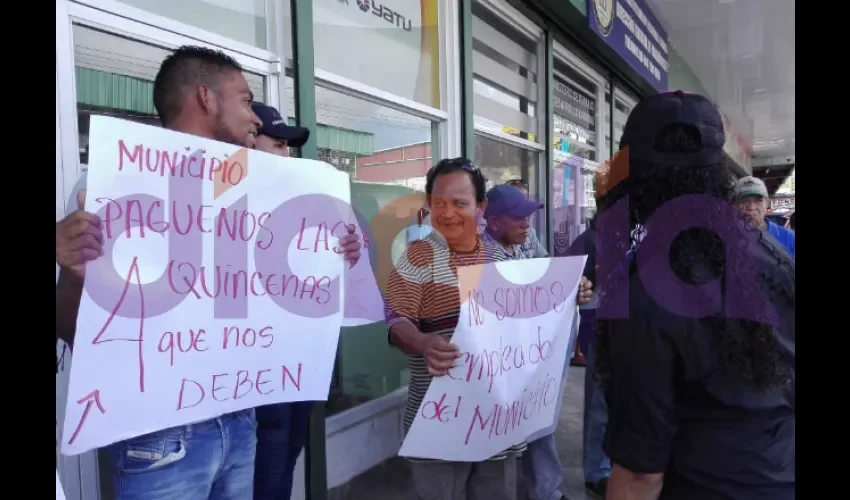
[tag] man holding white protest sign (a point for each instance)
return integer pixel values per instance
(203, 94)
(423, 312)
(423, 308)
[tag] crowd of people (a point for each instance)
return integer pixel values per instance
(688, 294)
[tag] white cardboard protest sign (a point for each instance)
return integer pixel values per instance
(219, 288)
(513, 334)
(364, 303)
(60, 494)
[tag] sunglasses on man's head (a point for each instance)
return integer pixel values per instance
(463, 163)
(458, 162)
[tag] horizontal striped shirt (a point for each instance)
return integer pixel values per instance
(423, 289)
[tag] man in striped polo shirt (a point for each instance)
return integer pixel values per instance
(423, 306)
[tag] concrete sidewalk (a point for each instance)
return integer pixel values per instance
(389, 480)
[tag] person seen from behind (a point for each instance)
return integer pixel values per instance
(699, 369)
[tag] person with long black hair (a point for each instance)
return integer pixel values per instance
(695, 321)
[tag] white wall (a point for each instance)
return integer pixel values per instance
(359, 439)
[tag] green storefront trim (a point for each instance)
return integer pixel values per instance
(549, 133)
(467, 114)
(315, 458)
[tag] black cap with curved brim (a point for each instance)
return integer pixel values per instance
(275, 126)
(655, 113)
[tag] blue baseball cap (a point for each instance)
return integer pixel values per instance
(275, 126)
(508, 200)
(645, 124)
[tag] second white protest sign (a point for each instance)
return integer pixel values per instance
(513, 334)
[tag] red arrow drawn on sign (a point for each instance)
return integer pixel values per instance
(92, 398)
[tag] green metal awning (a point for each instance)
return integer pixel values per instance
(108, 90)
(350, 141)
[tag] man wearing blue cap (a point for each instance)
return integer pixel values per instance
(508, 216)
(275, 136)
(282, 427)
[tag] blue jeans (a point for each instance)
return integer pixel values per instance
(209, 460)
(281, 435)
(541, 465)
(597, 465)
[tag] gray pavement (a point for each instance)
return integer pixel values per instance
(388, 481)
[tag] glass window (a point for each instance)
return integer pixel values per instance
(392, 46)
(387, 153)
(240, 20)
(572, 198)
(576, 153)
(114, 76)
(622, 108)
(505, 67)
(501, 162)
(574, 113)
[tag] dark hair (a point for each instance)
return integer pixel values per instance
(186, 68)
(748, 350)
(460, 164)
(792, 222)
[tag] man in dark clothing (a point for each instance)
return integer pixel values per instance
(696, 329)
(281, 427)
(596, 464)
(584, 245)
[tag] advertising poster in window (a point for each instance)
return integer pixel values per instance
(557, 187)
(565, 214)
